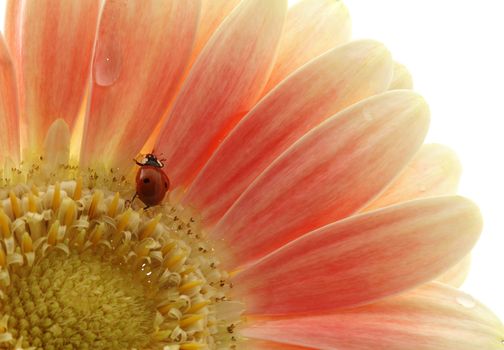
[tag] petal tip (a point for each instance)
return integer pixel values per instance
(472, 213)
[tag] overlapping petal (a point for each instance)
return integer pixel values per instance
(51, 43)
(434, 317)
(224, 83)
(269, 345)
(327, 175)
(434, 171)
(402, 78)
(57, 144)
(142, 51)
(362, 258)
(457, 274)
(312, 27)
(213, 13)
(9, 113)
(314, 93)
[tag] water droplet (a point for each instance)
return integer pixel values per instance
(107, 64)
(466, 301)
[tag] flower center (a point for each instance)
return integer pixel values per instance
(82, 269)
(78, 301)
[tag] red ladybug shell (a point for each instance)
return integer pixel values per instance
(151, 184)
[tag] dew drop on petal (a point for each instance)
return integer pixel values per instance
(466, 301)
(107, 65)
(108, 59)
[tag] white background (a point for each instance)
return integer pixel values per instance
(454, 49)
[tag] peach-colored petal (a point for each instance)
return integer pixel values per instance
(142, 50)
(57, 144)
(434, 317)
(317, 91)
(363, 258)
(223, 85)
(12, 20)
(434, 171)
(457, 274)
(51, 43)
(328, 174)
(401, 79)
(9, 115)
(269, 345)
(213, 12)
(312, 27)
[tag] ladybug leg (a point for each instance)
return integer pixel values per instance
(147, 207)
(128, 203)
(137, 162)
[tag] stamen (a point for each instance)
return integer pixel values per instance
(113, 205)
(78, 189)
(14, 202)
(5, 225)
(56, 196)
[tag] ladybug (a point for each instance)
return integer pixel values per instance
(151, 181)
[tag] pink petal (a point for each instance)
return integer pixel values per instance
(57, 144)
(269, 345)
(363, 258)
(142, 50)
(435, 171)
(434, 317)
(223, 85)
(9, 114)
(327, 175)
(312, 27)
(213, 12)
(457, 274)
(401, 79)
(317, 91)
(51, 42)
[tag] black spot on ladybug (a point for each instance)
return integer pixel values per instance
(146, 181)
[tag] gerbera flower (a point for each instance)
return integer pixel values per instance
(304, 211)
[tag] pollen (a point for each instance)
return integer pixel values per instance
(80, 268)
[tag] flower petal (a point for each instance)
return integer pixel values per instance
(312, 27)
(363, 258)
(51, 42)
(213, 13)
(223, 85)
(435, 171)
(328, 174)
(143, 48)
(269, 345)
(457, 274)
(9, 114)
(433, 317)
(315, 92)
(57, 144)
(401, 79)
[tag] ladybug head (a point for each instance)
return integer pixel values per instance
(152, 160)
